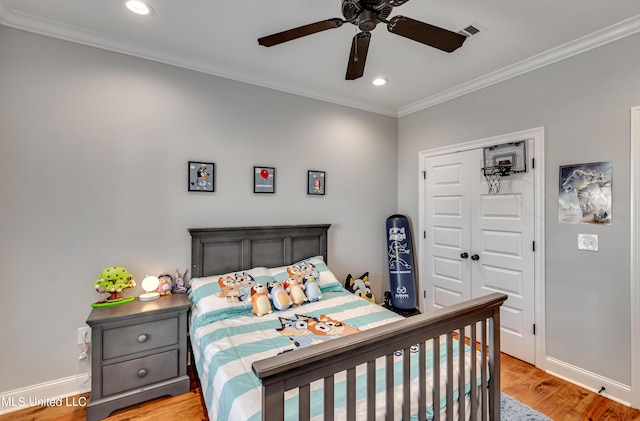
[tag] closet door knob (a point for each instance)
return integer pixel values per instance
(464, 255)
(475, 257)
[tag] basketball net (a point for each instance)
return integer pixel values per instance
(494, 175)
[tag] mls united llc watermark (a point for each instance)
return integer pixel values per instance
(22, 401)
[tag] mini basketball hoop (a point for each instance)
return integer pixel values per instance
(502, 161)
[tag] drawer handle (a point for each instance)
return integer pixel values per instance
(142, 372)
(143, 338)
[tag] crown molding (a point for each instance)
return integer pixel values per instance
(14, 19)
(597, 39)
(11, 18)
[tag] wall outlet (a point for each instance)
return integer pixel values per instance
(588, 242)
(81, 332)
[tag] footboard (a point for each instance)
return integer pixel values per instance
(322, 361)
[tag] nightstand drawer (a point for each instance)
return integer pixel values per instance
(139, 372)
(141, 337)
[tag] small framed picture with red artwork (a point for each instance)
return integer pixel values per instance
(264, 180)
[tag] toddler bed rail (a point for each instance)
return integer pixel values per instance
(298, 369)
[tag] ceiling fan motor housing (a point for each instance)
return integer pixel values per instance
(367, 20)
(365, 13)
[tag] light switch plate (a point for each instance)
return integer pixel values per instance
(588, 242)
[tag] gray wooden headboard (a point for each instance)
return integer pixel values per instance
(217, 251)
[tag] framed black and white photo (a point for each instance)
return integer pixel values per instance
(201, 176)
(264, 180)
(316, 182)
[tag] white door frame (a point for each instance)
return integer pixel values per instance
(635, 257)
(537, 153)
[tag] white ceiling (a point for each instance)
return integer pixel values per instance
(220, 38)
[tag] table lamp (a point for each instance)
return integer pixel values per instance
(150, 285)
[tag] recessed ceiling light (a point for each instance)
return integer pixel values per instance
(380, 81)
(139, 7)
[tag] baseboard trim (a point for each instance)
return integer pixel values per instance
(614, 390)
(53, 393)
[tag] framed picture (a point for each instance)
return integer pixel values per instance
(584, 193)
(201, 176)
(264, 180)
(316, 182)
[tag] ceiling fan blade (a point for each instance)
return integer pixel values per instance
(395, 3)
(300, 32)
(358, 55)
(424, 33)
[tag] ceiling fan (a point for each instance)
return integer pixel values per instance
(366, 14)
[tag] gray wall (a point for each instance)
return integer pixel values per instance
(93, 172)
(584, 104)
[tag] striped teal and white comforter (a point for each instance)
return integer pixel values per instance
(225, 348)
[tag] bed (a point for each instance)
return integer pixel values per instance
(335, 357)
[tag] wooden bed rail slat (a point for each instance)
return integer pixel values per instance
(328, 398)
(485, 387)
(351, 394)
(449, 377)
(371, 390)
(436, 379)
(304, 403)
(422, 379)
(461, 377)
(389, 387)
(494, 365)
(473, 373)
(406, 383)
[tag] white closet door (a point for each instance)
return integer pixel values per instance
(477, 243)
(448, 229)
(502, 238)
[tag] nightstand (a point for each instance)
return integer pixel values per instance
(138, 352)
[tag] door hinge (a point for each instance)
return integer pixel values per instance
(534, 328)
(424, 234)
(424, 293)
(533, 163)
(424, 175)
(533, 246)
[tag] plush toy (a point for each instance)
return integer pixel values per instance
(260, 300)
(279, 297)
(246, 282)
(360, 286)
(179, 284)
(295, 289)
(230, 289)
(166, 284)
(296, 272)
(312, 286)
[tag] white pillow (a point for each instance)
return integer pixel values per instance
(221, 296)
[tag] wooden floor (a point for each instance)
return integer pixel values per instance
(555, 398)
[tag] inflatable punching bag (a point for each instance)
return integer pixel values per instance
(401, 265)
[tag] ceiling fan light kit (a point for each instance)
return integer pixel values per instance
(366, 14)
